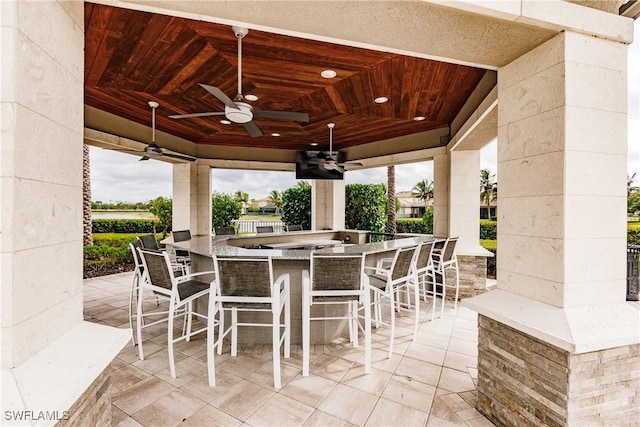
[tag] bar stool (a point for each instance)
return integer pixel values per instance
(248, 285)
(336, 280)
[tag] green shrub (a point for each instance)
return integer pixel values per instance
(296, 206)
(114, 239)
(365, 207)
(110, 249)
(162, 208)
(488, 229)
(633, 233)
(139, 226)
(224, 209)
(105, 254)
(411, 225)
(427, 219)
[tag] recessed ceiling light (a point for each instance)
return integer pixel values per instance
(275, 134)
(225, 122)
(419, 118)
(251, 97)
(328, 74)
(381, 100)
(313, 144)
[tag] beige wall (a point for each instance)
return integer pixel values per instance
(192, 198)
(327, 204)
(41, 175)
(562, 162)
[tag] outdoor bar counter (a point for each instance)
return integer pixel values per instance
(290, 252)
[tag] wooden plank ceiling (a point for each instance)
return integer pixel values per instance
(133, 57)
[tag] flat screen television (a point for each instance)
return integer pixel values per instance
(312, 165)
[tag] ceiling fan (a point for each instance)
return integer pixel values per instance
(332, 160)
(152, 151)
(238, 111)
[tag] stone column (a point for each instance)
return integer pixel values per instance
(192, 198)
(558, 343)
(441, 195)
(50, 356)
(327, 204)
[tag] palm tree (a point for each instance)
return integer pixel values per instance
(87, 238)
(242, 198)
(630, 187)
(391, 200)
(275, 198)
(488, 189)
(423, 190)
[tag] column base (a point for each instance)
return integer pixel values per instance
(540, 364)
(526, 382)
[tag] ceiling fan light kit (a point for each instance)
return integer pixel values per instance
(241, 115)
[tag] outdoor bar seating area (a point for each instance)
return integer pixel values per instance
(299, 324)
(283, 281)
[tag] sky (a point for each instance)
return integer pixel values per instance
(121, 177)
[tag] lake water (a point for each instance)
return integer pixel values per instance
(109, 214)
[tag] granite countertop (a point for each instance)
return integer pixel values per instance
(210, 245)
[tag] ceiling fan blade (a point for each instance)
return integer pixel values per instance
(180, 156)
(220, 95)
(282, 115)
(254, 131)
(187, 116)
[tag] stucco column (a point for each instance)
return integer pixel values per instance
(327, 204)
(192, 198)
(49, 354)
(441, 195)
(558, 320)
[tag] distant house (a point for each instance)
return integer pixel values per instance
(490, 212)
(266, 207)
(410, 206)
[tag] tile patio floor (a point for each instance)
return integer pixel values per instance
(428, 382)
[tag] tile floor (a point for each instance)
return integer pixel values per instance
(428, 382)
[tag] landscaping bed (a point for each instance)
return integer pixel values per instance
(109, 254)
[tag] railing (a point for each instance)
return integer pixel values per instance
(633, 272)
(249, 226)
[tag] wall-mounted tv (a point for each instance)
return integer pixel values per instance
(319, 165)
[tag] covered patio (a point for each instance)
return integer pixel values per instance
(430, 381)
(558, 343)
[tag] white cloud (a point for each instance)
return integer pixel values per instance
(122, 177)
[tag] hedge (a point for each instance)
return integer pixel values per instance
(633, 233)
(488, 229)
(139, 226)
(415, 226)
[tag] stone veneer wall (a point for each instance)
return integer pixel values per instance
(473, 275)
(93, 408)
(526, 382)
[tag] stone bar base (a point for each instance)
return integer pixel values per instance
(524, 381)
(93, 408)
(473, 275)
